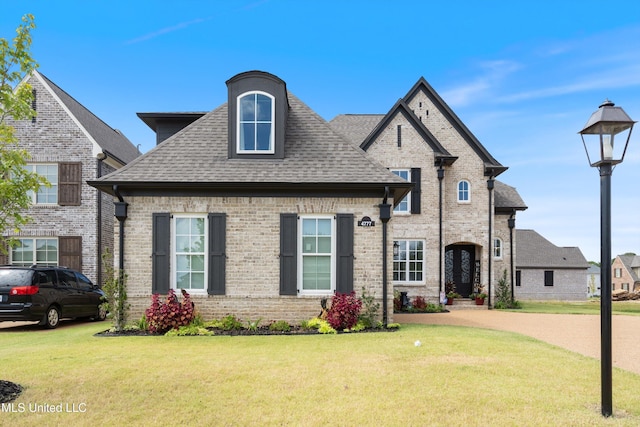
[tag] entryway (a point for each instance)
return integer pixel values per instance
(459, 266)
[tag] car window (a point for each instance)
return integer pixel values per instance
(83, 281)
(67, 278)
(47, 277)
(15, 277)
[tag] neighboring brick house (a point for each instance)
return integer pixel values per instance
(72, 222)
(545, 271)
(258, 208)
(454, 225)
(625, 273)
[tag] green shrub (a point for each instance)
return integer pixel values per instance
(369, 310)
(280, 326)
(253, 325)
(189, 330)
(503, 294)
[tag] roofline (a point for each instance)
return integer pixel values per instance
(151, 119)
(402, 108)
(268, 189)
(495, 168)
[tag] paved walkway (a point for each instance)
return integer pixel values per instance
(575, 332)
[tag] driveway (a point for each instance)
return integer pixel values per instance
(575, 332)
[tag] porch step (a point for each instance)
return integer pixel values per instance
(466, 304)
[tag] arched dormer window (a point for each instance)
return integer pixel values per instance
(464, 192)
(255, 133)
(257, 114)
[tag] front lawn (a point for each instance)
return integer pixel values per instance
(456, 376)
(591, 306)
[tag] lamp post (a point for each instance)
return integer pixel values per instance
(604, 124)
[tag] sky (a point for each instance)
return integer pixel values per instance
(523, 76)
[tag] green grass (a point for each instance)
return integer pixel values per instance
(591, 306)
(458, 376)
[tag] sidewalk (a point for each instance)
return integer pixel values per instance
(575, 332)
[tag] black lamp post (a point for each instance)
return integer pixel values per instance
(604, 125)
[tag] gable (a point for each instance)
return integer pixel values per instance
(422, 92)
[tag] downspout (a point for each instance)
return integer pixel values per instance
(385, 216)
(121, 215)
(440, 236)
(490, 184)
(512, 224)
(101, 157)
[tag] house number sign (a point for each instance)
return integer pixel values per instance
(366, 222)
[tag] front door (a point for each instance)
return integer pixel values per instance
(459, 262)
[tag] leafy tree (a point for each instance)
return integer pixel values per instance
(15, 181)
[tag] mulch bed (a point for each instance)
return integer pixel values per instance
(263, 330)
(9, 391)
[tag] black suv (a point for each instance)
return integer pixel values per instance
(48, 294)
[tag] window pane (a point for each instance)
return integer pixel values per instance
(182, 243)
(324, 245)
(247, 136)
(182, 280)
(308, 227)
(309, 245)
(324, 227)
(264, 108)
(263, 136)
(182, 226)
(247, 108)
(197, 281)
(324, 273)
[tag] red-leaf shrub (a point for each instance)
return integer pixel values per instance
(344, 311)
(170, 314)
(419, 303)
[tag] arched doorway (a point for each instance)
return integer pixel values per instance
(459, 266)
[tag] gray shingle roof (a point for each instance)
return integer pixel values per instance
(355, 127)
(314, 155)
(534, 251)
(507, 197)
(631, 262)
(109, 139)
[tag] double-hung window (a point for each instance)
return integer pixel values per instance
(408, 261)
(497, 248)
(464, 192)
(405, 204)
(256, 127)
(45, 195)
(35, 251)
(190, 261)
(317, 254)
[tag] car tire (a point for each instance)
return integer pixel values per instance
(101, 315)
(51, 317)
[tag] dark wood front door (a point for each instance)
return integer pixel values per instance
(459, 262)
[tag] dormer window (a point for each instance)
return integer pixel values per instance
(258, 112)
(255, 123)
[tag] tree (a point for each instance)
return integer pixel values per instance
(15, 104)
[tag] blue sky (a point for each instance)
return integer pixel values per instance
(523, 76)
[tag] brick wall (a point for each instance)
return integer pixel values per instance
(54, 137)
(252, 249)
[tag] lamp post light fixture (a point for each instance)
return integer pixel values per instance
(603, 127)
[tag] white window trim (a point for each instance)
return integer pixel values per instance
(33, 239)
(468, 192)
(501, 246)
(174, 266)
(332, 289)
(272, 135)
(34, 194)
(408, 196)
(424, 264)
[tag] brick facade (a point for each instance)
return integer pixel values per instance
(252, 251)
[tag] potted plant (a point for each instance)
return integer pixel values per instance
(479, 295)
(450, 290)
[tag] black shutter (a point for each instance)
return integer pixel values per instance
(161, 252)
(217, 255)
(70, 249)
(69, 184)
(344, 245)
(416, 192)
(288, 254)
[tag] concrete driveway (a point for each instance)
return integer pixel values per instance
(575, 332)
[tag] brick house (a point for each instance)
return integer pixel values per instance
(545, 271)
(625, 273)
(454, 225)
(260, 207)
(72, 222)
